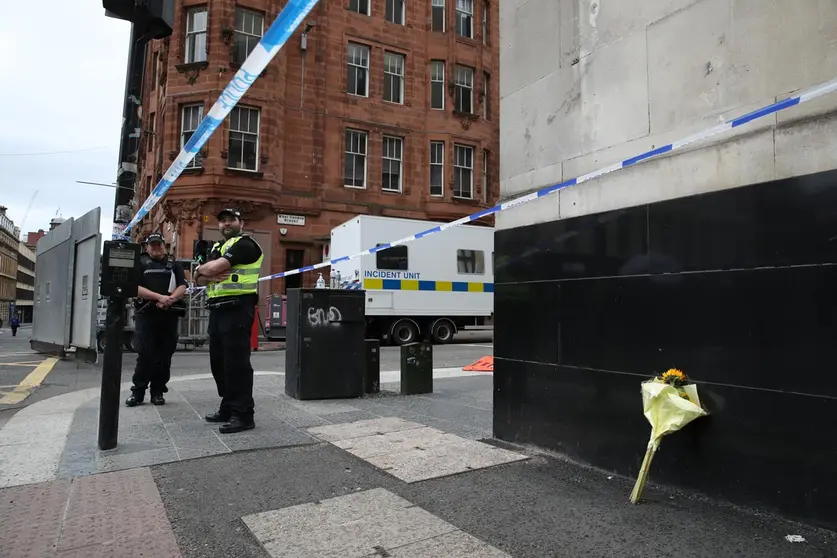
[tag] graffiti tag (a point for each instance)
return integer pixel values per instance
(319, 317)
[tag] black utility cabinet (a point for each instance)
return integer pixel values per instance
(325, 354)
(416, 368)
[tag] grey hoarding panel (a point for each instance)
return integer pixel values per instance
(53, 238)
(85, 293)
(86, 279)
(67, 284)
(53, 286)
(87, 225)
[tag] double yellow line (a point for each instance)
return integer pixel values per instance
(29, 383)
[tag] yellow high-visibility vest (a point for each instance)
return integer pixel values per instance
(243, 279)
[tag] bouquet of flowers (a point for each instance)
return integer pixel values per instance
(669, 402)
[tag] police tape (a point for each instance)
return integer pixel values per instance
(276, 36)
(271, 43)
(805, 96)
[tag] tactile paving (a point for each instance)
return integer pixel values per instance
(112, 514)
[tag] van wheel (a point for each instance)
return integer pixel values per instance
(443, 331)
(404, 332)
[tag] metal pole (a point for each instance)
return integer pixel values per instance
(129, 144)
(111, 373)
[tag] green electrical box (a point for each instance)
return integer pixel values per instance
(416, 368)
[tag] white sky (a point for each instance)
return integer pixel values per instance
(62, 81)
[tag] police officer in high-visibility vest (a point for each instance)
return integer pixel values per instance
(231, 277)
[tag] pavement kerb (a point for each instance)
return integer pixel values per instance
(31, 447)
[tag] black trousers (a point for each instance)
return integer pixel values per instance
(156, 334)
(229, 357)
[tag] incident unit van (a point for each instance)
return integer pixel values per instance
(429, 288)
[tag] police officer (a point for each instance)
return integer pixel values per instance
(231, 277)
(158, 307)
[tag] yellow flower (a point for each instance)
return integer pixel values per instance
(673, 374)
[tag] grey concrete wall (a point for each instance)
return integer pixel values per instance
(587, 83)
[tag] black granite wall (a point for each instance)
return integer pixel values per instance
(737, 288)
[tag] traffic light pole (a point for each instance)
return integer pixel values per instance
(111, 373)
(151, 20)
(121, 273)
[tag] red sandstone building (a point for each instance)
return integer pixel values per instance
(382, 107)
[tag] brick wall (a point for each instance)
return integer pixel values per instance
(304, 113)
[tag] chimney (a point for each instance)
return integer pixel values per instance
(3, 209)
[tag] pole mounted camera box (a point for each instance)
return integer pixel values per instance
(121, 269)
(153, 18)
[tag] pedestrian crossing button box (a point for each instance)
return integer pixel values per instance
(121, 269)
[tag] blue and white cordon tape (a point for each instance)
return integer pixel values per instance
(803, 97)
(274, 39)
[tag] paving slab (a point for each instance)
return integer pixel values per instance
(111, 514)
(294, 416)
(30, 518)
(362, 428)
(454, 544)
(133, 459)
(48, 427)
(195, 437)
(376, 445)
(368, 523)
(442, 460)
(323, 408)
(267, 436)
(29, 463)
(410, 453)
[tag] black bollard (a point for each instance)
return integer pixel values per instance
(372, 372)
(111, 373)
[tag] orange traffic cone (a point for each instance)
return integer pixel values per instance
(485, 364)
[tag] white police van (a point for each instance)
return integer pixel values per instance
(430, 288)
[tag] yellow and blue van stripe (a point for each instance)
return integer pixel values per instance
(418, 285)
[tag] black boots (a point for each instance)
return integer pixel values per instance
(217, 417)
(233, 423)
(237, 424)
(136, 398)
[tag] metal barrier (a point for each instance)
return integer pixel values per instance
(194, 326)
(66, 273)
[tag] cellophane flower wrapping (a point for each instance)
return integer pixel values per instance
(668, 409)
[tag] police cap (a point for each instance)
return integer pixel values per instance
(154, 237)
(229, 211)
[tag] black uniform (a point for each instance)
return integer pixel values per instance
(230, 324)
(156, 329)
